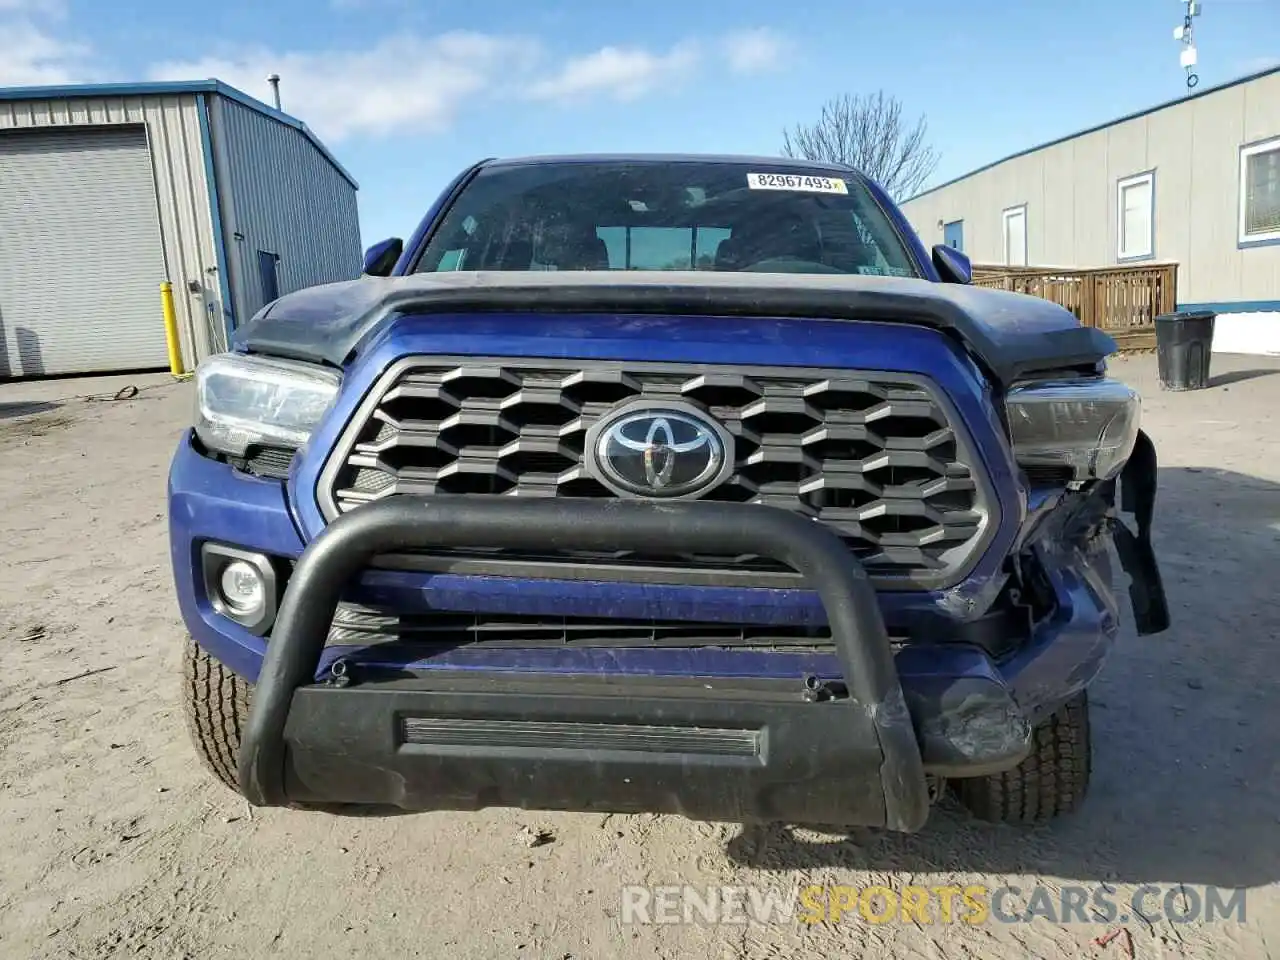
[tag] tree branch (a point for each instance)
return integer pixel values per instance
(869, 134)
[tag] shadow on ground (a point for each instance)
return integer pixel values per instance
(1186, 779)
(1237, 376)
(9, 411)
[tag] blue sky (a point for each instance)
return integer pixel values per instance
(407, 92)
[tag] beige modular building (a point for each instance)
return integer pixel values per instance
(108, 191)
(1195, 181)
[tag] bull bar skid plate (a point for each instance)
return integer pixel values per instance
(732, 750)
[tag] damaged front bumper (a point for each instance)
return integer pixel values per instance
(744, 750)
(457, 733)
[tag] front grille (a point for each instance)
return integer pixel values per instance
(437, 631)
(874, 455)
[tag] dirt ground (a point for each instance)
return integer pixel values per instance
(119, 845)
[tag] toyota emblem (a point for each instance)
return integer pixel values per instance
(662, 450)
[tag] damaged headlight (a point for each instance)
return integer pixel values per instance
(244, 401)
(1087, 427)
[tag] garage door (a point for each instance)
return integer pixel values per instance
(80, 256)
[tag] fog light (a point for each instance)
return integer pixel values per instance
(242, 587)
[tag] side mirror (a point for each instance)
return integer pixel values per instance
(952, 265)
(380, 259)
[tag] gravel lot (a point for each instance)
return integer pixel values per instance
(119, 845)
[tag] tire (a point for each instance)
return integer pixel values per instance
(1049, 783)
(216, 704)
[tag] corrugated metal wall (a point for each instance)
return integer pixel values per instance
(173, 134)
(1070, 190)
(281, 196)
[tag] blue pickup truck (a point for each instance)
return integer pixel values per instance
(659, 483)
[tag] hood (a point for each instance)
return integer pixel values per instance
(1012, 335)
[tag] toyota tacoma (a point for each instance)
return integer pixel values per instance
(650, 483)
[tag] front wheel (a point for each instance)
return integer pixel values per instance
(1050, 782)
(216, 704)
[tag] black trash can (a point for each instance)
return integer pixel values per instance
(1184, 343)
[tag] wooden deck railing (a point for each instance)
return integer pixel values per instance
(1123, 301)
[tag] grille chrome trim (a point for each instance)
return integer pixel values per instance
(813, 440)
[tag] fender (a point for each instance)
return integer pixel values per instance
(1137, 483)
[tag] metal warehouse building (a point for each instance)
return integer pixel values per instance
(106, 192)
(1195, 181)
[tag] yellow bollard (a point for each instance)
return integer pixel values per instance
(171, 329)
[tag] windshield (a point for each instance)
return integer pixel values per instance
(656, 215)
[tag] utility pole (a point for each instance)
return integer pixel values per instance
(1183, 34)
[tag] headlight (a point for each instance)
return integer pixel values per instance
(243, 401)
(1088, 427)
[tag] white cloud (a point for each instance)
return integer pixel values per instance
(29, 56)
(407, 83)
(404, 84)
(623, 73)
(412, 84)
(754, 51)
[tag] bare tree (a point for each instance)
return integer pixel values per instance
(868, 134)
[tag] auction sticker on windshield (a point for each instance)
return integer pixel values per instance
(793, 181)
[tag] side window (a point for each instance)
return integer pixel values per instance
(615, 241)
(706, 246)
(850, 245)
(452, 260)
(661, 248)
(455, 256)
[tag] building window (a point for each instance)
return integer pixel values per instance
(1015, 236)
(1135, 217)
(1260, 192)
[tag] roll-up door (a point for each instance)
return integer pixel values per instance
(80, 253)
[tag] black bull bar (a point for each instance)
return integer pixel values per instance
(874, 703)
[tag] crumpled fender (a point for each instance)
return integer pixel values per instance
(1137, 486)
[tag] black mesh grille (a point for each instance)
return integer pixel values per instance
(273, 462)
(434, 632)
(872, 454)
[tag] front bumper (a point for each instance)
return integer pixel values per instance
(971, 715)
(737, 751)
(844, 753)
